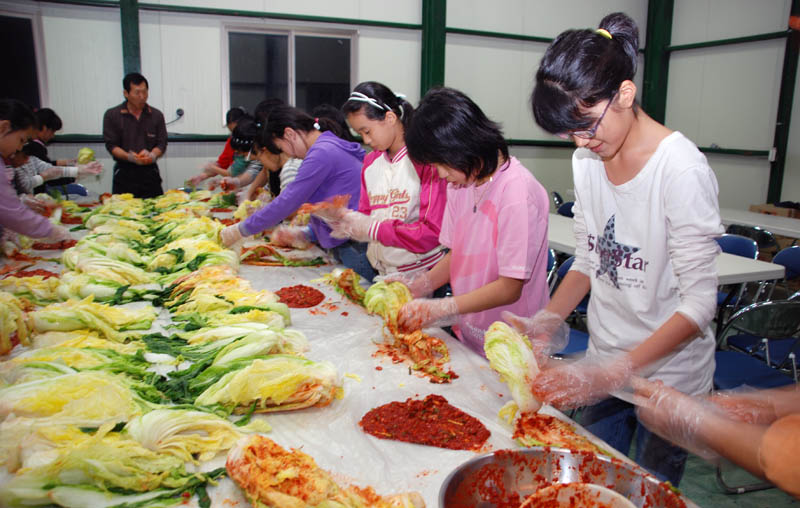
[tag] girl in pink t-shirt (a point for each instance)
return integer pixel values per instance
(495, 222)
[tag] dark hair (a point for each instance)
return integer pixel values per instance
(46, 117)
(134, 78)
(18, 114)
(328, 111)
(264, 108)
(234, 114)
(450, 129)
(284, 116)
(582, 68)
(385, 101)
(244, 133)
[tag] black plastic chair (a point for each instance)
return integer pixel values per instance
(551, 269)
(789, 258)
(730, 297)
(566, 209)
(764, 239)
(557, 200)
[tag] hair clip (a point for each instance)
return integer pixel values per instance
(605, 33)
(316, 124)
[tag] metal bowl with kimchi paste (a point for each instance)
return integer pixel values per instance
(506, 478)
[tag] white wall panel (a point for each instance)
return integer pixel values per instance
(538, 17)
(182, 53)
(392, 57)
(551, 166)
(726, 95)
(83, 53)
(708, 20)
(743, 181)
(791, 175)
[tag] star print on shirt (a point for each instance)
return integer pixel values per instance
(612, 252)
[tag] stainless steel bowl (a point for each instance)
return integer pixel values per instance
(504, 478)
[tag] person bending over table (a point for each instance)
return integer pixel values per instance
(331, 167)
(495, 222)
(646, 215)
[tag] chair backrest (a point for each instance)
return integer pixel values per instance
(778, 319)
(564, 268)
(789, 258)
(76, 188)
(551, 268)
(738, 245)
(765, 239)
(566, 209)
(557, 201)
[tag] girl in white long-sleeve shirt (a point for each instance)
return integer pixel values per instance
(646, 215)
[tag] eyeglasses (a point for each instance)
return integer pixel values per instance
(589, 133)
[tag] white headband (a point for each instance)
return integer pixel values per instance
(360, 97)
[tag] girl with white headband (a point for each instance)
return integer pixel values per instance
(402, 202)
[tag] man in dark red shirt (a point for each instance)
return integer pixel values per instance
(136, 136)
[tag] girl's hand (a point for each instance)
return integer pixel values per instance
(582, 382)
(426, 312)
(546, 330)
(93, 168)
(673, 415)
(419, 283)
(353, 225)
(230, 235)
(290, 236)
(745, 407)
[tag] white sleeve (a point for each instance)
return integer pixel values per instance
(581, 262)
(693, 223)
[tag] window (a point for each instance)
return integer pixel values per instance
(302, 69)
(19, 60)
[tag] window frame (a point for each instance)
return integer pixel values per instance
(34, 14)
(291, 32)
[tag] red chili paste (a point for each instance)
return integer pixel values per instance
(300, 296)
(63, 244)
(46, 274)
(431, 421)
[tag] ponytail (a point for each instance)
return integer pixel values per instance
(284, 116)
(582, 68)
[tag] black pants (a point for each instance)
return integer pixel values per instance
(141, 181)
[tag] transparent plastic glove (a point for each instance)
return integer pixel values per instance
(34, 204)
(419, 283)
(546, 330)
(229, 183)
(746, 405)
(354, 225)
(230, 235)
(426, 312)
(132, 158)
(673, 415)
(91, 169)
(146, 157)
(10, 242)
(583, 382)
(331, 214)
(51, 173)
(57, 234)
(295, 237)
(214, 182)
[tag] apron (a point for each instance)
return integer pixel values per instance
(141, 181)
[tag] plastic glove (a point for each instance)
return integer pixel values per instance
(330, 213)
(230, 235)
(353, 225)
(196, 179)
(419, 283)
(427, 312)
(91, 169)
(290, 236)
(673, 415)
(583, 382)
(10, 242)
(746, 406)
(52, 173)
(226, 183)
(146, 157)
(546, 330)
(58, 234)
(34, 204)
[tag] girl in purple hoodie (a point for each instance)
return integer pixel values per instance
(331, 166)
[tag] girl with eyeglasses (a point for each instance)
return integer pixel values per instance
(402, 202)
(646, 215)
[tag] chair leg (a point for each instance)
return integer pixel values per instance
(741, 489)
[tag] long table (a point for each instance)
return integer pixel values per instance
(730, 269)
(786, 226)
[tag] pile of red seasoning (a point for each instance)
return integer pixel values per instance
(431, 421)
(300, 296)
